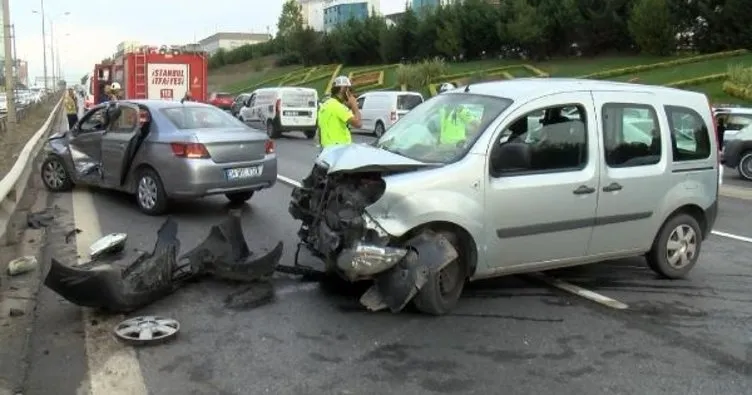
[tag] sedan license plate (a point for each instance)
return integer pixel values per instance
(244, 172)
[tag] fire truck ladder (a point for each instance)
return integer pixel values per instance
(140, 60)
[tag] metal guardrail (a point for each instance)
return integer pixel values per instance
(13, 185)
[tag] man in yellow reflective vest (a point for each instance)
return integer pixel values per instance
(336, 113)
(454, 120)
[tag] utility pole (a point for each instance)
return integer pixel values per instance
(44, 45)
(52, 56)
(16, 80)
(9, 78)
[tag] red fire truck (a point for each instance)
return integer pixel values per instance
(149, 72)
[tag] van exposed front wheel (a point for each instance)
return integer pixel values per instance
(442, 291)
(676, 248)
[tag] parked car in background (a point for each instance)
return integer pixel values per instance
(238, 103)
(738, 153)
(734, 120)
(158, 150)
(221, 100)
(381, 109)
(281, 110)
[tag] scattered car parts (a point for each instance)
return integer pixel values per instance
(22, 265)
(110, 244)
(101, 284)
(147, 330)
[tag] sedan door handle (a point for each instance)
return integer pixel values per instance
(613, 187)
(583, 190)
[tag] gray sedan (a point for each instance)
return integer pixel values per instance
(160, 150)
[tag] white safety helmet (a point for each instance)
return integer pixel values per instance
(342, 81)
(447, 86)
(115, 86)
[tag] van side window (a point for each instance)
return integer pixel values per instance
(690, 139)
(361, 100)
(552, 139)
(631, 135)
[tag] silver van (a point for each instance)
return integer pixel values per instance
(549, 173)
(379, 110)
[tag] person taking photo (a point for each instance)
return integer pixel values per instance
(337, 113)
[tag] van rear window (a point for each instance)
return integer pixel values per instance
(690, 136)
(298, 99)
(408, 102)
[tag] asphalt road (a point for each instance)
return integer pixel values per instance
(512, 335)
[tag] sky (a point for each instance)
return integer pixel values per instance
(92, 29)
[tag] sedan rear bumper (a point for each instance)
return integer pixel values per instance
(203, 177)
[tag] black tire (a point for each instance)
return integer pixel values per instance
(272, 131)
(658, 256)
(436, 298)
(239, 197)
(309, 134)
(55, 176)
(153, 186)
(745, 166)
(378, 131)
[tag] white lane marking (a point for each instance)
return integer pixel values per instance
(549, 280)
(290, 181)
(579, 291)
(732, 236)
(113, 367)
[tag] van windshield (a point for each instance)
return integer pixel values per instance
(408, 102)
(444, 128)
(298, 98)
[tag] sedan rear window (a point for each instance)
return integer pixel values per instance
(408, 102)
(189, 117)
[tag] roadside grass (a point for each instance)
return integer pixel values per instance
(482, 70)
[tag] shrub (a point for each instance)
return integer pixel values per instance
(740, 75)
(419, 75)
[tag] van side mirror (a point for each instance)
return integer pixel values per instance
(510, 158)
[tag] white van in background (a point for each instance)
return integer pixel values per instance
(380, 109)
(280, 110)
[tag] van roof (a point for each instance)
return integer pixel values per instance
(279, 88)
(524, 89)
(390, 92)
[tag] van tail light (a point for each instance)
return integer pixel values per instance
(190, 150)
(269, 146)
(718, 143)
(278, 106)
(393, 115)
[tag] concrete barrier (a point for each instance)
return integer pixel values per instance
(14, 183)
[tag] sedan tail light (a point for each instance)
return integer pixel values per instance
(269, 146)
(190, 150)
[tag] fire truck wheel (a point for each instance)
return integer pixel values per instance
(150, 194)
(271, 131)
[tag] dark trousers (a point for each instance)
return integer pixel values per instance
(72, 119)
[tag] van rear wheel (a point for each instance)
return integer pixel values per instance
(378, 131)
(676, 248)
(310, 134)
(745, 166)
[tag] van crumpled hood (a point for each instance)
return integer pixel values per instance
(360, 158)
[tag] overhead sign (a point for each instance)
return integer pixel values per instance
(167, 81)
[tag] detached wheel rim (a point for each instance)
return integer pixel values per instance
(54, 174)
(147, 192)
(681, 246)
(147, 329)
(745, 166)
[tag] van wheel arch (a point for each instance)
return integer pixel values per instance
(467, 246)
(695, 212)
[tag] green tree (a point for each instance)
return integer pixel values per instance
(448, 39)
(290, 23)
(526, 27)
(650, 25)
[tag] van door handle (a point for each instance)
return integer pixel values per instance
(613, 187)
(583, 190)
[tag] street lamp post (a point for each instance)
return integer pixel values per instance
(9, 80)
(44, 43)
